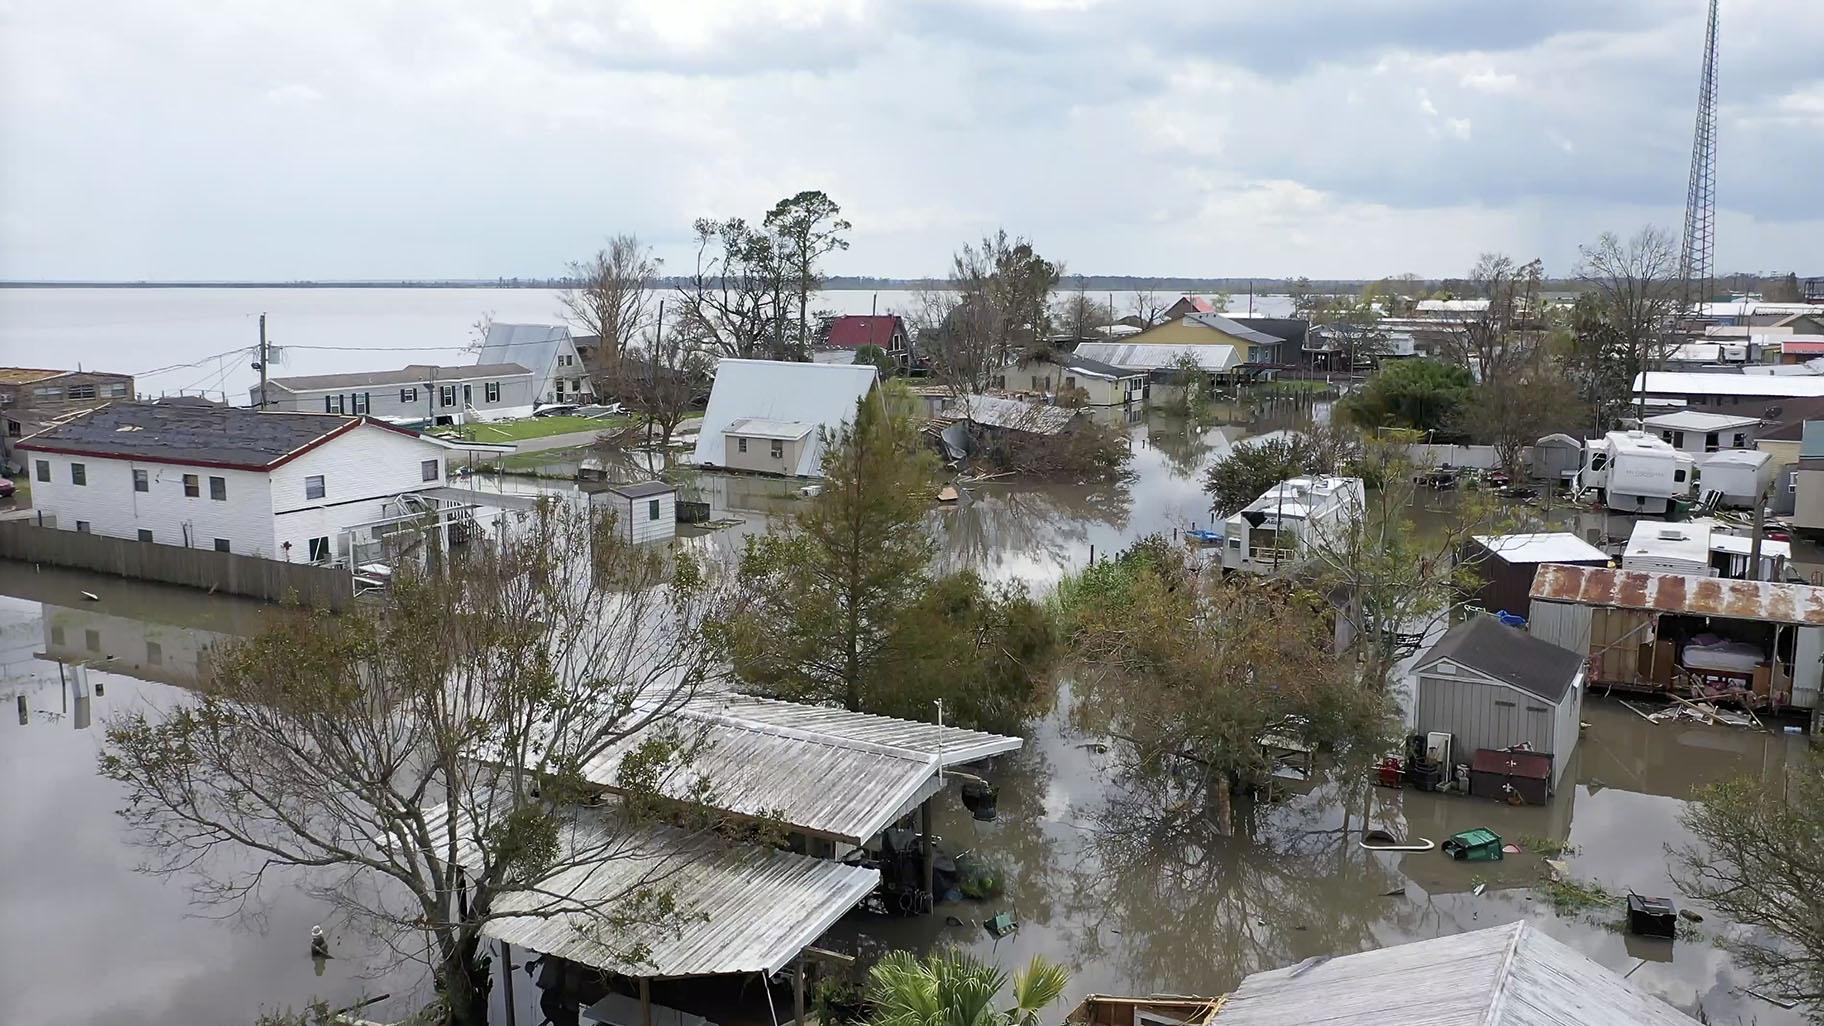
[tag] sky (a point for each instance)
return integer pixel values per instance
(247, 140)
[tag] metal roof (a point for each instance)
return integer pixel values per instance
(760, 427)
(1693, 420)
(1016, 414)
(1086, 364)
(1510, 975)
(818, 394)
(1549, 547)
(741, 907)
(951, 746)
(415, 374)
(183, 433)
(641, 489)
(534, 346)
(1737, 457)
(1514, 657)
(1799, 604)
(1726, 383)
(1160, 355)
(1234, 329)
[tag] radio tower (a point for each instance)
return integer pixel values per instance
(1700, 200)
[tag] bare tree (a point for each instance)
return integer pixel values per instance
(1500, 338)
(1148, 307)
(998, 306)
(611, 294)
(420, 763)
(806, 228)
(732, 302)
(1081, 314)
(1637, 282)
(660, 379)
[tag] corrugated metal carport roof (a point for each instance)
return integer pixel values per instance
(1799, 604)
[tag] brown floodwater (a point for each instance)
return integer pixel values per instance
(1131, 891)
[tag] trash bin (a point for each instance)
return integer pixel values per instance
(1652, 917)
(1478, 845)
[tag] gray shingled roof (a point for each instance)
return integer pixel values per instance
(1485, 645)
(641, 490)
(1090, 366)
(1235, 328)
(213, 435)
(529, 345)
(415, 374)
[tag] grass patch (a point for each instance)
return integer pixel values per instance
(538, 427)
(1547, 847)
(1570, 897)
(533, 462)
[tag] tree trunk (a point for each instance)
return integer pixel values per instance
(465, 984)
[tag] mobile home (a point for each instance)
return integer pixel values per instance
(1738, 477)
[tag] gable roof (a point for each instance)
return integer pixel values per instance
(1094, 367)
(1235, 328)
(818, 394)
(1510, 975)
(1489, 647)
(210, 436)
(853, 331)
(1141, 356)
(533, 346)
(412, 374)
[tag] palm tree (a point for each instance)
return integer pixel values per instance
(953, 988)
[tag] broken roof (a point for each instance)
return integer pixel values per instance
(1799, 604)
(1510, 975)
(1233, 328)
(1514, 657)
(414, 374)
(1542, 547)
(1083, 364)
(26, 375)
(214, 436)
(1011, 414)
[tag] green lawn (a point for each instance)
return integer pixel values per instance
(538, 427)
(531, 462)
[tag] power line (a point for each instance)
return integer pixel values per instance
(193, 363)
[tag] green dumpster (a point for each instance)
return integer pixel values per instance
(1478, 845)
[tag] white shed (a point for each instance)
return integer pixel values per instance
(646, 511)
(1739, 476)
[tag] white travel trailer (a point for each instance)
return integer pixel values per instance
(1739, 477)
(1634, 472)
(1276, 532)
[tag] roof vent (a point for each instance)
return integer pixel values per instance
(1671, 534)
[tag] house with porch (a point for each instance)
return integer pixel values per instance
(548, 351)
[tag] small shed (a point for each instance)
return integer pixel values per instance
(1491, 686)
(1556, 457)
(1740, 477)
(645, 511)
(1506, 564)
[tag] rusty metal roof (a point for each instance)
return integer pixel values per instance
(1799, 604)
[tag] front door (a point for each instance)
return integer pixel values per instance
(468, 397)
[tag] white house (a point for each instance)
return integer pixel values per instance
(417, 394)
(771, 415)
(548, 351)
(1054, 373)
(1698, 433)
(646, 511)
(285, 486)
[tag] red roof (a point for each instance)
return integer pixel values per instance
(857, 330)
(1200, 304)
(1803, 348)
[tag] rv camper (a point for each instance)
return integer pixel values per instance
(1634, 472)
(1275, 532)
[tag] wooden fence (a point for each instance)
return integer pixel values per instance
(227, 572)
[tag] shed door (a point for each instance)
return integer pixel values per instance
(1506, 719)
(1539, 724)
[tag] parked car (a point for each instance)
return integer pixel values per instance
(6, 488)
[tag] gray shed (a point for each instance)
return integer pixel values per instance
(1491, 686)
(1556, 457)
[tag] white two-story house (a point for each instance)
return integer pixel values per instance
(284, 486)
(548, 351)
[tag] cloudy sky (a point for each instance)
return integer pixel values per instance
(251, 140)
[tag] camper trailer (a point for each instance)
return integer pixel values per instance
(1275, 532)
(1738, 477)
(1704, 547)
(1634, 472)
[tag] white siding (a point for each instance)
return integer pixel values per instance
(361, 470)
(634, 517)
(1561, 623)
(1808, 649)
(111, 507)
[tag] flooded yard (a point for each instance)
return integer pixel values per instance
(1132, 890)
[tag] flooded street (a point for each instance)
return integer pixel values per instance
(1133, 892)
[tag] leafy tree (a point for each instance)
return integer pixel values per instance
(1759, 860)
(1252, 467)
(881, 359)
(1533, 402)
(1195, 680)
(1784, 289)
(1421, 393)
(1594, 358)
(954, 988)
(998, 304)
(806, 228)
(842, 605)
(335, 747)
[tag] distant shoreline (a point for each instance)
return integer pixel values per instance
(1090, 283)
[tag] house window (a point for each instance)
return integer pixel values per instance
(1677, 438)
(408, 395)
(192, 486)
(79, 474)
(447, 395)
(1070, 382)
(115, 390)
(313, 487)
(319, 550)
(429, 469)
(778, 449)
(491, 391)
(1739, 442)
(44, 469)
(82, 527)
(221, 545)
(155, 653)
(47, 394)
(741, 444)
(652, 509)
(218, 489)
(82, 391)
(1710, 442)
(360, 402)
(145, 535)
(141, 481)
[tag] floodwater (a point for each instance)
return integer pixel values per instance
(1134, 893)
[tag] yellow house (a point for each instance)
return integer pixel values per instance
(1212, 329)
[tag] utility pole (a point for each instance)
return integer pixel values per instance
(263, 361)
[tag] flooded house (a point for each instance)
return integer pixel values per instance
(1167, 365)
(1279, 531)
(1757, 642)
(1488, 688)
(1506, 564)
(1700, 433)
(1057, 374)
(773, 416)
(1739, 478)
(419, 394)
(1635, 472)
